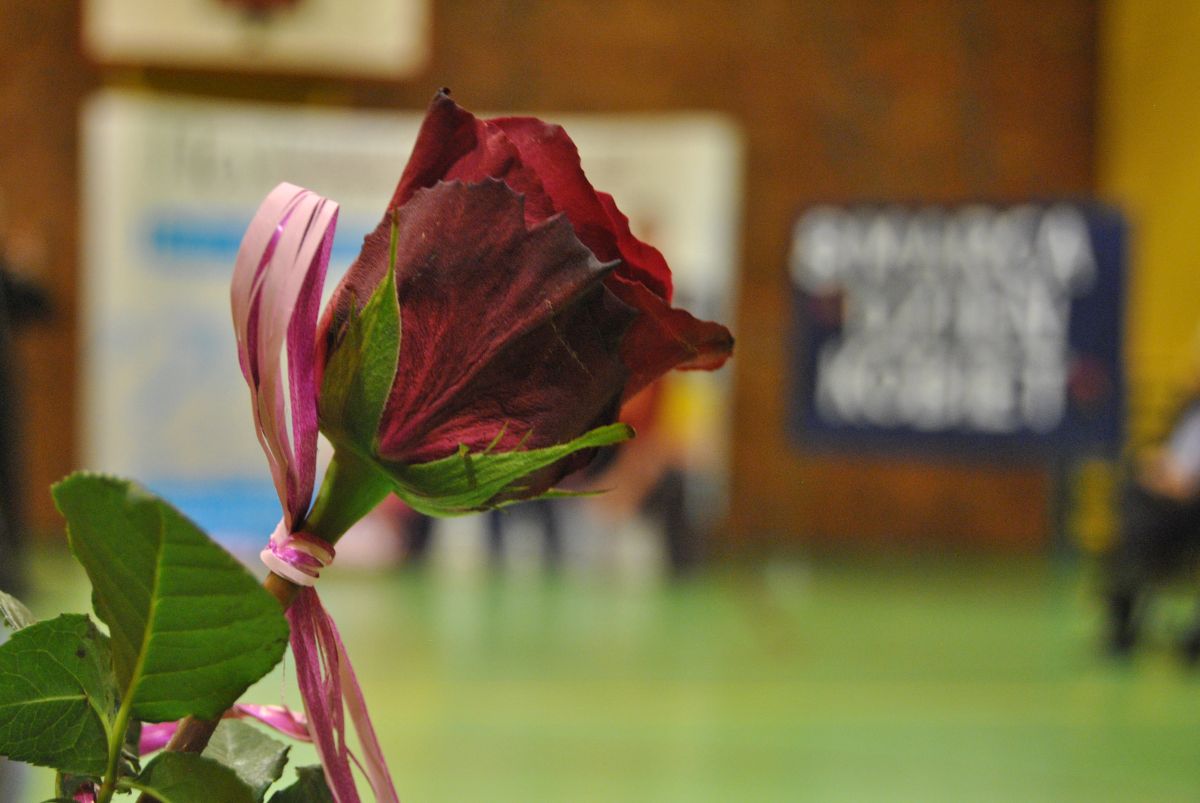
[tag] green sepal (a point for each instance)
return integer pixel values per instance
(555, 493)
(190, 627)
(362, 367)
(469, 481)
(189, 778)
(57, 695)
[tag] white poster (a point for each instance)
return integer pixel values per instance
(169, 186)
(376, 38)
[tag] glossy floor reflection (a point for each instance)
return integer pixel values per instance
(838, 680)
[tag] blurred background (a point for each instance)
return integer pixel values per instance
(887, 553)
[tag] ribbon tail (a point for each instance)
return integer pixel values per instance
(324, 675)
(277, 717)
(156, 735)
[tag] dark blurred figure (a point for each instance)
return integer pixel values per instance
(419, 531)
(20, 302)
(419, 528)
(1159, 534)
(648, 476)
(543, 512)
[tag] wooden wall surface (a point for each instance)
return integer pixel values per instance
(937, 100)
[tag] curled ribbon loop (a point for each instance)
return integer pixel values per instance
(298, 557)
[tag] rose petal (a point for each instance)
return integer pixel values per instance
(454, 145)
(551, 154)
(554, 383)
(503, 328)
(465, 382)
(663, 338)
(541, 161)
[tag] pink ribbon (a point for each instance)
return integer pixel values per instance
(276, 293)
(298, 557)
(328, 685)
(155, 735)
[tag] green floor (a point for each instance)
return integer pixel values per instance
(883, 680)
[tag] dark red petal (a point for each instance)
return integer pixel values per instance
(448, 133)
(494, 323)
(652, 269)
(550, 386)
(455, 145)
(662, 338)
(538, 160)
(600, 225)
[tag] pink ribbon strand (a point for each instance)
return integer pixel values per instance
(328, 684)
(155, 735)
(275, 294)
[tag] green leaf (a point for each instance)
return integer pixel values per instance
(362, 367)
(57, 696)
(189, 778)
(191, 628)
(256, 758)
(467, 481)
(310, 788)
(13, 612)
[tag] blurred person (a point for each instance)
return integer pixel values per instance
(1159, 527)
(648, 476)
(544, 513)
(21, 302)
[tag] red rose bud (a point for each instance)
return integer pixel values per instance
(481, 345)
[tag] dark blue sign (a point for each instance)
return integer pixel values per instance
(974, 329)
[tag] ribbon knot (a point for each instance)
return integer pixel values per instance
(328, 685)
(298, 557)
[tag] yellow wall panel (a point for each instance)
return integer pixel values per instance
(1148, 162)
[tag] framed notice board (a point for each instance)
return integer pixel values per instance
(973, 330)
